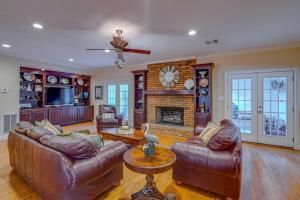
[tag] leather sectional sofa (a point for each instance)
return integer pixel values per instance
(64, 168)
(216, 167)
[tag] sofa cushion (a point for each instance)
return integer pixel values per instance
(37, 132)
(224, 138)
(73, 147)
(22, 127)
(96, 140)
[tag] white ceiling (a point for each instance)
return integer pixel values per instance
(71, 26)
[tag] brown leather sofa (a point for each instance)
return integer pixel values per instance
(64, 168)
(108, 123)
(216, 167)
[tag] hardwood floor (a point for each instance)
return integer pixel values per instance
(269, 173)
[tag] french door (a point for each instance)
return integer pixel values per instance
(261, 105)
(118, 95)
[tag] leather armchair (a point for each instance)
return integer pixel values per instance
(108, 123)
(216, 167)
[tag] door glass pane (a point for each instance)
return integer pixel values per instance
(242, 104)
(111, 90)
(275, 106)
(124, 101)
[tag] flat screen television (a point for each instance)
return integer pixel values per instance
(59, 95)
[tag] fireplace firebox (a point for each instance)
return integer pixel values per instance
(170, 115)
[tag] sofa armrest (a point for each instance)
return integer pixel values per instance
(191, 155)
(224, 163)
(108, 158)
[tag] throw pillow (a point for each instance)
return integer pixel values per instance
(210, 130)
(108, 116)
(96, 140)
(48, 126)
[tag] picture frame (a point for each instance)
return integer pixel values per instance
(98, 92)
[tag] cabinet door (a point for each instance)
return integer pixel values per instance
(90, 113)
(41, 114)
(82, 113)
(138, 119)
(56, 116)
(70, 115)
(202, 119)
(26, 115)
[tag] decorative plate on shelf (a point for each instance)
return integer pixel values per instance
(169, 76)
(65, 81)
(189, 84)
(203, 82)
(141, 85)
(80, 81)
(141, 78)
(52, 79)
(204, 93)
(29, 76)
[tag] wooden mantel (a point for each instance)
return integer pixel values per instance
(170, 92)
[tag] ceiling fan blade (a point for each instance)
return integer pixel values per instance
(99, 49)
(140, 51)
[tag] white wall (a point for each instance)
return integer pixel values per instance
(9, 78)
(280, 58)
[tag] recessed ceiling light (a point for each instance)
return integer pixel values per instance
(192, 32)
(106, 50)
(6, 45)
(71, 60)
(37, 26)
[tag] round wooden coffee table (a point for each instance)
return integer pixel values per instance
(161, 161)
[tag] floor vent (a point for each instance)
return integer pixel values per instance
(9, 122)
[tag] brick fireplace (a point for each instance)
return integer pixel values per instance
(183, 102)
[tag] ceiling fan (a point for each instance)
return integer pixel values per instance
(120, 45)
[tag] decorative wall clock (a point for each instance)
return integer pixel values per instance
(169, 76)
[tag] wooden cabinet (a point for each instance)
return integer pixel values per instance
(26, 115)
(33, 115)
(70, 115)
(90, 113)
(56, 115)
(139, 118)
(82, 114)
(140, 100)
(63, 115)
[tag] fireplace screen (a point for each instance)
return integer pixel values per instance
(170, 115)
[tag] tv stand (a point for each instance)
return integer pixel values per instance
(32, 93)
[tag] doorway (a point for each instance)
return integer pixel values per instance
(261, 104)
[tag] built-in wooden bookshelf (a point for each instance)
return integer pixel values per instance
(140, 100)
(32, 96)
(203, 93)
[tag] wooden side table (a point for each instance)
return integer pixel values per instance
(161, 161)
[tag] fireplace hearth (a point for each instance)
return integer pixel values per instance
(170, 115)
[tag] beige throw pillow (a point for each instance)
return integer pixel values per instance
(48, 126)
(210, 130)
